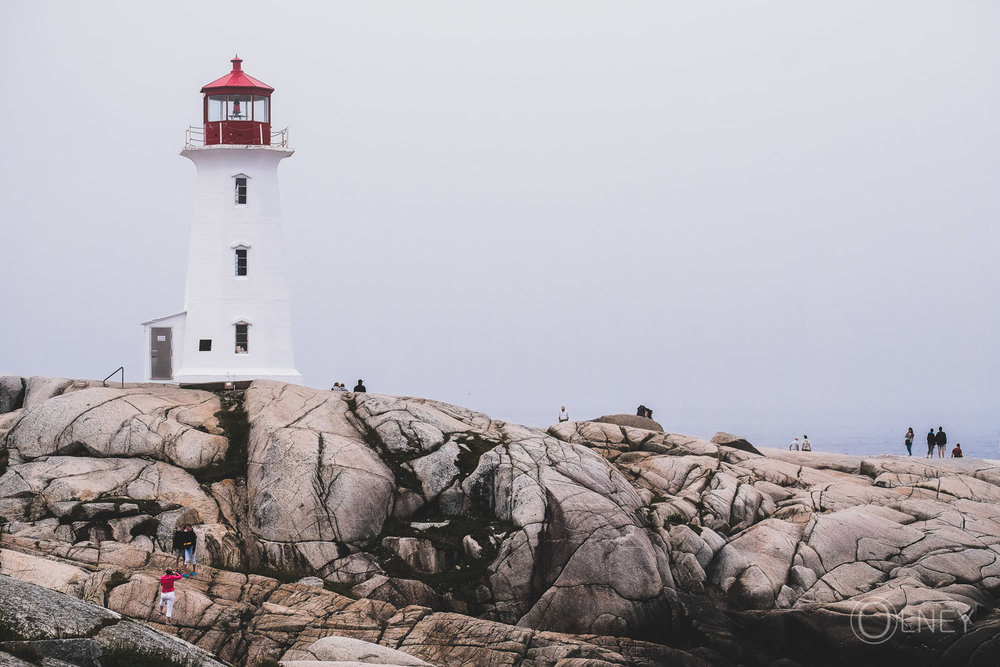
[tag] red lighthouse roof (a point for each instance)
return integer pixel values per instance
(236, 79)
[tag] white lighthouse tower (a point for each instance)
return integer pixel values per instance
(236, 324)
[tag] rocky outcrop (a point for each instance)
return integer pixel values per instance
(734, 441)
(478, 541)
(631, 421)
(176, 426)
(11, 393)
(40, 624)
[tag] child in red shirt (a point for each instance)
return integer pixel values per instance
(167, 592)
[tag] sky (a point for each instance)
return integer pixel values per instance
(711, 209)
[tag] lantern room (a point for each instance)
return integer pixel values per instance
(237, 109)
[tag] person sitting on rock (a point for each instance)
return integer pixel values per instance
(957, 452)
(641, 411)
(563, 415)
(190, 543)
(794, 445)
(806, 445)
(167, 592)
(360, 386)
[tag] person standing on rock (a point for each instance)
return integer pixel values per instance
(806, 445)
(908, 441)
(167, 592)
(178, 547)
(190, 543)
(942, 440)
(930, 443)
(794, 445)
(563, 415)
(360, 386)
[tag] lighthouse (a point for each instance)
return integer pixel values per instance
(236, 323)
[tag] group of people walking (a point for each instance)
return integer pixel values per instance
(937, 441)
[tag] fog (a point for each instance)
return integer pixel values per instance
(705, 208)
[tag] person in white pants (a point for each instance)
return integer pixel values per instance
(167, 592)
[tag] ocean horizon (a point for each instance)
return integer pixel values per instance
(845, 432)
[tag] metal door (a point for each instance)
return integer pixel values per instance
(160, 368)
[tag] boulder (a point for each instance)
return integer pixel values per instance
(421, 555)
(400, 592)
(11, 393)
(31, 612)
(44, 485)
(306, 454)
(347, 649)
(734, 441)
(39, 389)
(632, 421)
(172, 425)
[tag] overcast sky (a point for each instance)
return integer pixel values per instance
(721, 207)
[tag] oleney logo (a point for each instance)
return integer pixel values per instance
(875, 621)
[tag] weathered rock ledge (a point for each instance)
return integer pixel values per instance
(435, 531)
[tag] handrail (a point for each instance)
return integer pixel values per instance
(283, 134)
(104, 382)
(194, 133)
(195, 137)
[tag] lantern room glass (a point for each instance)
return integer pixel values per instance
(216, 107)
(238, 107)
(260, 108)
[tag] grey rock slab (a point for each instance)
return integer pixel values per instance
(61, 479)
(406, 426)
(33, 612)
(437, 470)
(632, 421)
(39, 389)
(754, 566)
(734, 441)
(421, 555)
(128, 636)
(311, 475)
(11, 393)
(104, 421)
(348, 649)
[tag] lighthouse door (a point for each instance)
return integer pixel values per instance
(160, 354)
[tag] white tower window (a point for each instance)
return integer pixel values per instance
(242, 338)
(241, 261)
(241, 189)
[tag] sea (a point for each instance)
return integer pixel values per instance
(858, 433)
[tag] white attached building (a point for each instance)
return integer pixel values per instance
(236, 324)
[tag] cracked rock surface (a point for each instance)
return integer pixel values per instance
(458, 539)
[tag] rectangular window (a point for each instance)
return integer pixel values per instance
(216, 107)
(242, 338)
(241, 261)
(239, 107)
(260, 108)
(241, 190)
(205, 345)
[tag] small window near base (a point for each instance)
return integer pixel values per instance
(205, 345)
(242, 338)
